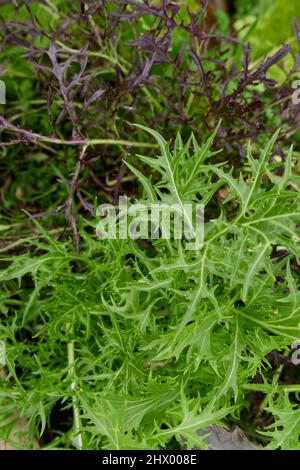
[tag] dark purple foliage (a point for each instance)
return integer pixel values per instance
(98, 69)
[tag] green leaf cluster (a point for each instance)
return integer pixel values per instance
(148, 343)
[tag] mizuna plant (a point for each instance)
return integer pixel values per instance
(141, 344)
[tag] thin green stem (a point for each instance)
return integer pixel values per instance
(76, 411)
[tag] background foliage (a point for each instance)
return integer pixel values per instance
(123, 344)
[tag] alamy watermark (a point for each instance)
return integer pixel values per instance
(152, 221)
(296, 353)
(2, 92)
(2, 353)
